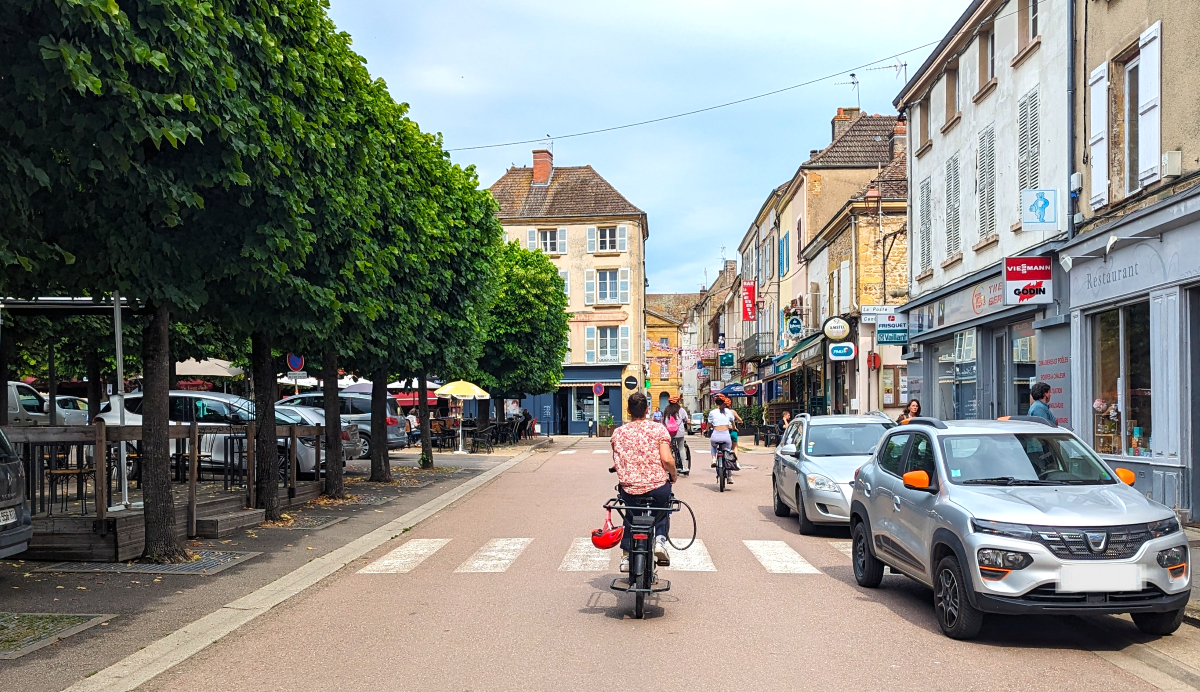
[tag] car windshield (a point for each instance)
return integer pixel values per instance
(843, 440)
(1022, 459)
(6, 450)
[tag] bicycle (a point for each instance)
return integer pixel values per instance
(683, 462)
(642, 579)
(724, 467)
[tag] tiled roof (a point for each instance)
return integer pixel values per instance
(892, 181)
(573, 191)
(867, 142)
(672, 305)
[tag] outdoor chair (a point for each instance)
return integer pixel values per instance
(482, 439)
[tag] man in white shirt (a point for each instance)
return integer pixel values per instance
(414, 427)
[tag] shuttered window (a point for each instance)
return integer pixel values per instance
(1149, 109)
(566, 277)
(624, 344)
(589, 344)
(1098, 135)
(926, 225)
(567, 353)
(591, 239)
(953, 232)
(1028, 133)
(986, 170)
(532, 239)
(622, 238)
(589, 286)
(844, 288)
(624, 281)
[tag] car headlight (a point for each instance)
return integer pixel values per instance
(1000, 528)
(1003, 559)
(818, 482)
(308, 441)
(1173, 557)
(1164, 527)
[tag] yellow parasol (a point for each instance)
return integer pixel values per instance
(461, 389)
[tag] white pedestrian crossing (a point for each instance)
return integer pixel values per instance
(585, 557)
(846, 547)
(780, 558)
(496, 555)
(406, 557)
(567, 451)
(694, 559)
(601, 451)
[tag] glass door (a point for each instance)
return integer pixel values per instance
(1000, 373)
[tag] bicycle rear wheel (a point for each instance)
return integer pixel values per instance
(638, 568)
(721, 472)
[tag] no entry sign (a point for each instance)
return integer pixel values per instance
(1027, 281)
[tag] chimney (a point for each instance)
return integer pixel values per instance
(843, 120)
(543, 164)
(899, 137)
(731, 268)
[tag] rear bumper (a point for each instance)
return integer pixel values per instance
(1098, 603)
(15, 539)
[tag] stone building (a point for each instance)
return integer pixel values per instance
(667, 346)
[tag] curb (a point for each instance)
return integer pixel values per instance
(175, 648)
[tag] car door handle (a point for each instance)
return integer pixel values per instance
(896, 502)
(866, 488)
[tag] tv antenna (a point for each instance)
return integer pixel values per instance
(898, 67)
(853, 83)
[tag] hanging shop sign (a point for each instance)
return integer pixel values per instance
(721, 341)
(842, 351)
(795, 326)
(1039, 210)
(891, 330)
(1027, 281)
(749, 296)
(836, 329)
(726, 360)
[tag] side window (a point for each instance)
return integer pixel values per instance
(283, 417)
(314, 401)
(360, 405)
(177, 409)
(892, 455)
(134, 405)
(920, 457)
(31, 401)
(212, 411)
(792, 434)
(345, 408)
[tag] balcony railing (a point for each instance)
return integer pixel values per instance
(758, 346)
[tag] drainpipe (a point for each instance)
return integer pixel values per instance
(1071, 196)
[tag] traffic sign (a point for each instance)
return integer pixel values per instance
(598, 389)
(295, 362)
(631, 382)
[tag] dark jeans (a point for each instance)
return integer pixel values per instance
(659, 497)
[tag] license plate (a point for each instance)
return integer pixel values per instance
(1107, 578)
(8, 516)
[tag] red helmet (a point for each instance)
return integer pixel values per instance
(608, 536)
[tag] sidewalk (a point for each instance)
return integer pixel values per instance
(140, 608)
(1193, 609)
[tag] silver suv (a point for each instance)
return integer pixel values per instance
(815, 463)
(1015, 517)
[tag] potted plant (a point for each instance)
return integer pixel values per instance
(606, 425)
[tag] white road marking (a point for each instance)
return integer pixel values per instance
(406, 557)
(601, 451)
(585, 557)
(694, 559)
(780, 558)
(496, 555)
(846, 547)
(567, 451)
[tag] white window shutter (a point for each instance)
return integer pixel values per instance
(624, 344)
(566, 277)
(533, 239)
(1022, 146)
(926, 222)
(953, 234)
(591, 239)
(622, 238)
(1150, 104)
(567, 352)
(845, 288)
(1033, 164)
(1098, 136)
(624, 285)
(986, 162)
(589, 286)
(589, 344)
(562, 241)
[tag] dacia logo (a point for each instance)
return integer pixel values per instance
(1096, 540)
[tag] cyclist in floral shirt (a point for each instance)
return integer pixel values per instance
(645, 471)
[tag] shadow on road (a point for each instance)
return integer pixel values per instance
(619, 606)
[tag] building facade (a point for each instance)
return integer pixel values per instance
(716, 320)
(667, 345)
(988, 171)
(597, 239)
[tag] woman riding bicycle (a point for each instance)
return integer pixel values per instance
(645, 471)
(675, 420)
(722, 419)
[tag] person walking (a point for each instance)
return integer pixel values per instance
(675, 420)
(1040, 394)
(645, 471)
(911, 411)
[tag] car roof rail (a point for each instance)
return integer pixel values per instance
(925, 420)
(879, 413)
(805, 416)
(1030, 419)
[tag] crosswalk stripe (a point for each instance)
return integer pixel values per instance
(780, 558)
(846, 547)
(567, 451)
(406, 557)
(600, 451)
(694, 559)
(496, 555)
(585, 557)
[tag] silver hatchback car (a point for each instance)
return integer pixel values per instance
(815, 463)
(1015, 517)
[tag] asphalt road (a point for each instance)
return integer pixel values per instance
(485, 596)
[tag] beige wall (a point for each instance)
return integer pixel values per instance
(870, 258)
(658, 328)
(1112, 31)
(828, 189)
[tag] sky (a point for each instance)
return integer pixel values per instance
(495, 72)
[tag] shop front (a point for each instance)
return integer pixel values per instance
(1136, 323)
(568, 410)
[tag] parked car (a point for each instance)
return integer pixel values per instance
(1015, 517)
(356, 408)
(696, 424)
(306, 455)
(16, 523)
(815, 464)
(26, 406)
(72, 410)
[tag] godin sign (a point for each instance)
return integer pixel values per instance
(1027, 281)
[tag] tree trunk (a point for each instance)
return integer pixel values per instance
(95, 387)
(266, 451)
(4, 338)
(335, 484)
(157, 495)
(426, 432)
(483, 410)
(381, 466)
(173, 378)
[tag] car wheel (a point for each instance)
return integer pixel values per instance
(1159, 624)
(957, 617)
(807, 528)
(284, 464)
(364, 446)
(868, 570)
(781, 508)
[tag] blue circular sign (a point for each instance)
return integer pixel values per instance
(842, 351)
(598, 389)
(794, 326)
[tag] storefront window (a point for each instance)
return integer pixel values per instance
(1024, 364)
(1122, 381)
(943, 358)
(583, 403)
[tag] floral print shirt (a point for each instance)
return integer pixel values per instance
(635, 454)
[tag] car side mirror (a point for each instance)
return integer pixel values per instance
(1127, 477)
(788, 450)
(917, 480)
